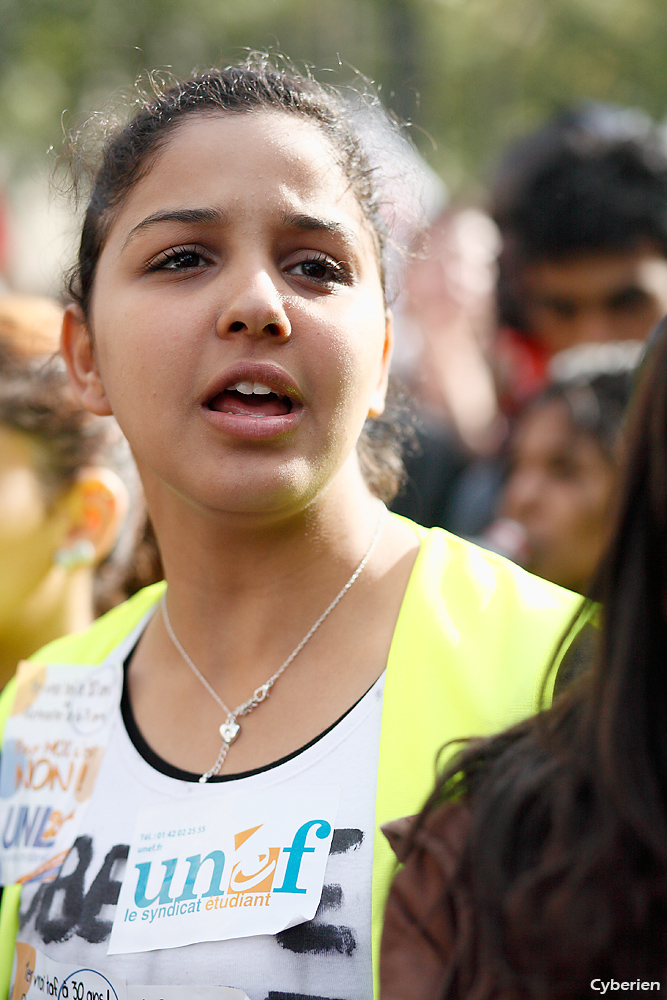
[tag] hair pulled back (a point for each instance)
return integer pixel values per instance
(130, 149)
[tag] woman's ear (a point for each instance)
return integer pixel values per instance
(76, 345)
(97, 506)
(377, 402)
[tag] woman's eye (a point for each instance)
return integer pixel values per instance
(321, 270)
(178, 259)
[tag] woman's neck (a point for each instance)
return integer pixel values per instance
(242, 584)
(231, 552)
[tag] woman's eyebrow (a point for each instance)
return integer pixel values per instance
(311, 223)
(186, 215)
(213, 216)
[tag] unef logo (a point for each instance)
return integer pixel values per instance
(256, 872)
(192, 884)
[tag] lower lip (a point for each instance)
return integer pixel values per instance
(249, 428)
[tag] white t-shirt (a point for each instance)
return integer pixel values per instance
(70, 919)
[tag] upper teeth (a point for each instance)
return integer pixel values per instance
(248, 388)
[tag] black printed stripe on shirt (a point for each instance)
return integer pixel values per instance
(315, 937)
(295, 996)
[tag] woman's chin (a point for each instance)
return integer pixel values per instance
(284, 495)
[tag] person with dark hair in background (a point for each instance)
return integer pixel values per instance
(564, 459)
(538, 868)
(581, 205)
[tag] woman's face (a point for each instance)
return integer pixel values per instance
(238, 319)
(559, 489)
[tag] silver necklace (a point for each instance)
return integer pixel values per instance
(230, 728)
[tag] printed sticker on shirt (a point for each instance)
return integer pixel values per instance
(54, 743)
(212, 869)
(38, 978)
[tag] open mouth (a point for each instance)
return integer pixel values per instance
(252, 399)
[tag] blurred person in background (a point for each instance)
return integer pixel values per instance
(564, 461)
(538, 868)
(581, 205)
(67, 535)
(449, 297)
(448, 315)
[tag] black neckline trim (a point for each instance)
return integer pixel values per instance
(158, 764)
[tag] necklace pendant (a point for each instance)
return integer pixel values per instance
(229, 731)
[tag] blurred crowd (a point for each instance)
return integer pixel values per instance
(526, 317)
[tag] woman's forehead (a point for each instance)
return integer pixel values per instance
(550, 429)
(545, 425)
(269, 153)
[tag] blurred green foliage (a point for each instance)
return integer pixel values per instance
(469, 74)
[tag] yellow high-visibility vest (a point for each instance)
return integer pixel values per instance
(472, 640)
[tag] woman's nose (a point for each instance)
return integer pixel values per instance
(523, 493)
(255, 308)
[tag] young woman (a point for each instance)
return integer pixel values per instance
(310, 653)
(564, 463)
(539, 867)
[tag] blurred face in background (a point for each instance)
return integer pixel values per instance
(595, 297)
(559, 490)
(31, 530)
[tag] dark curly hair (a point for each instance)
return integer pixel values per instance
(563, 876)
(594, 179)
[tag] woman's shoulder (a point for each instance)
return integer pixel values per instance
(465, 605)
(445, 558)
